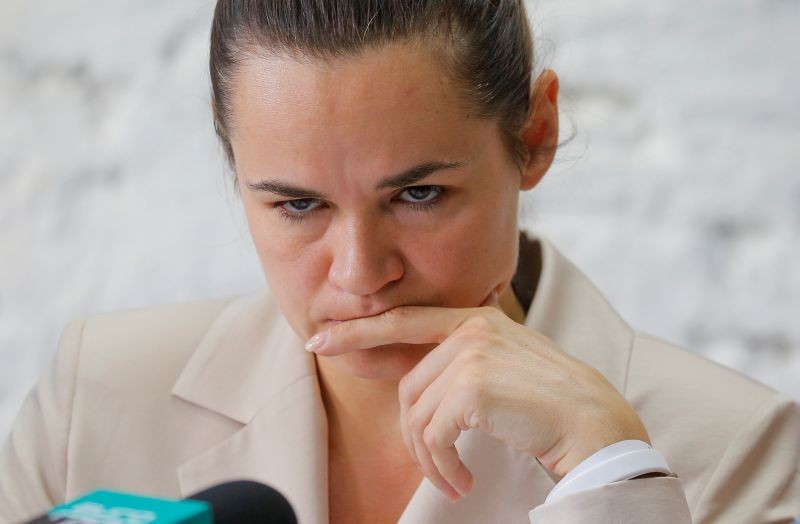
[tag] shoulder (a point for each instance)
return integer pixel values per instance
(680, 393)
(108, 388)
(127, 345)
(662, 371)
(710, 420)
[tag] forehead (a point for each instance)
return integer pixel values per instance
(369, 110)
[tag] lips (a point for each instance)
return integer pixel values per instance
(337, 321)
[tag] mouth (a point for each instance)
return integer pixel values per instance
(339, 321)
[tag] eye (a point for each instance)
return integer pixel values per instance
(300, 205)
(421, 191)
(301, 208)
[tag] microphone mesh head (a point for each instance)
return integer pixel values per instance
(246, 501)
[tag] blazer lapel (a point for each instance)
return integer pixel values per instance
(252, 368)
(570, 310)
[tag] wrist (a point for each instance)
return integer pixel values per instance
(564, 456)
(624, 460)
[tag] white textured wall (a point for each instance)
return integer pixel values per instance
(679, 196)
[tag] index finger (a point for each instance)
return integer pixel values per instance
(403, 324)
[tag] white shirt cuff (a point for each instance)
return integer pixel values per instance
(620, 461)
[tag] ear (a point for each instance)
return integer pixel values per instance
(540, 134)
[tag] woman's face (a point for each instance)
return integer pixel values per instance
(348, 132)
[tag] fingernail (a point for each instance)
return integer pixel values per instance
(316, 342)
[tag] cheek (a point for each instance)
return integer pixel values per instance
(293, 288)
(467, 258)
(278, 244)
(291, 272)
(272, 239)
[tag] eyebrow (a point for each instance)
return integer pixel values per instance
(407, 177)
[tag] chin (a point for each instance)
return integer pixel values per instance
(388, 362)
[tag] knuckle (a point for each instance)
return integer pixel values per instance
(473, 391)
(472, 357)
(405, 389)
(394, 317)
(470, 385)
(414, 420)
(492, 313)
(475, 411)
(480, 323)
(431, 439)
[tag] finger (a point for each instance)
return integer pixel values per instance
(407, 441)
(404, 324)
(419, 422)
(440, 438)
(433, 475)
(418, 413)
(429, 467)
(416, 381)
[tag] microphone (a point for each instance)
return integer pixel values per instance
(246, 501)
(236, 502)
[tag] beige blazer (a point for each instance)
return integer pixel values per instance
(170, 400)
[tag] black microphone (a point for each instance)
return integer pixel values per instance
(246, 501)
(236, 502)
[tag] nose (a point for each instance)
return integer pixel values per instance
(364, 257)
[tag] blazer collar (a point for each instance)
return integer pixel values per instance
(252, 368)
(249, 355)
(570, 310)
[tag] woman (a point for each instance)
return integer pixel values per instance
(458, 370)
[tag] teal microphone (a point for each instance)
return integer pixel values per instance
(111, 507)
(232, 502)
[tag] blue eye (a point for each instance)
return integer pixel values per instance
(295, 216)
(302, 205)
(434, 190)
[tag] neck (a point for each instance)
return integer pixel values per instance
(361, 412)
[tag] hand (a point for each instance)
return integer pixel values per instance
(492, 374)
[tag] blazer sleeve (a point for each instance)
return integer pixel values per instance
(756, 480)
(656, 500)
(33, 461)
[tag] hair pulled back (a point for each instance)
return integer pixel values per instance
(487, 48)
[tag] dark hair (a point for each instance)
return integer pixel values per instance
(487, 47)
